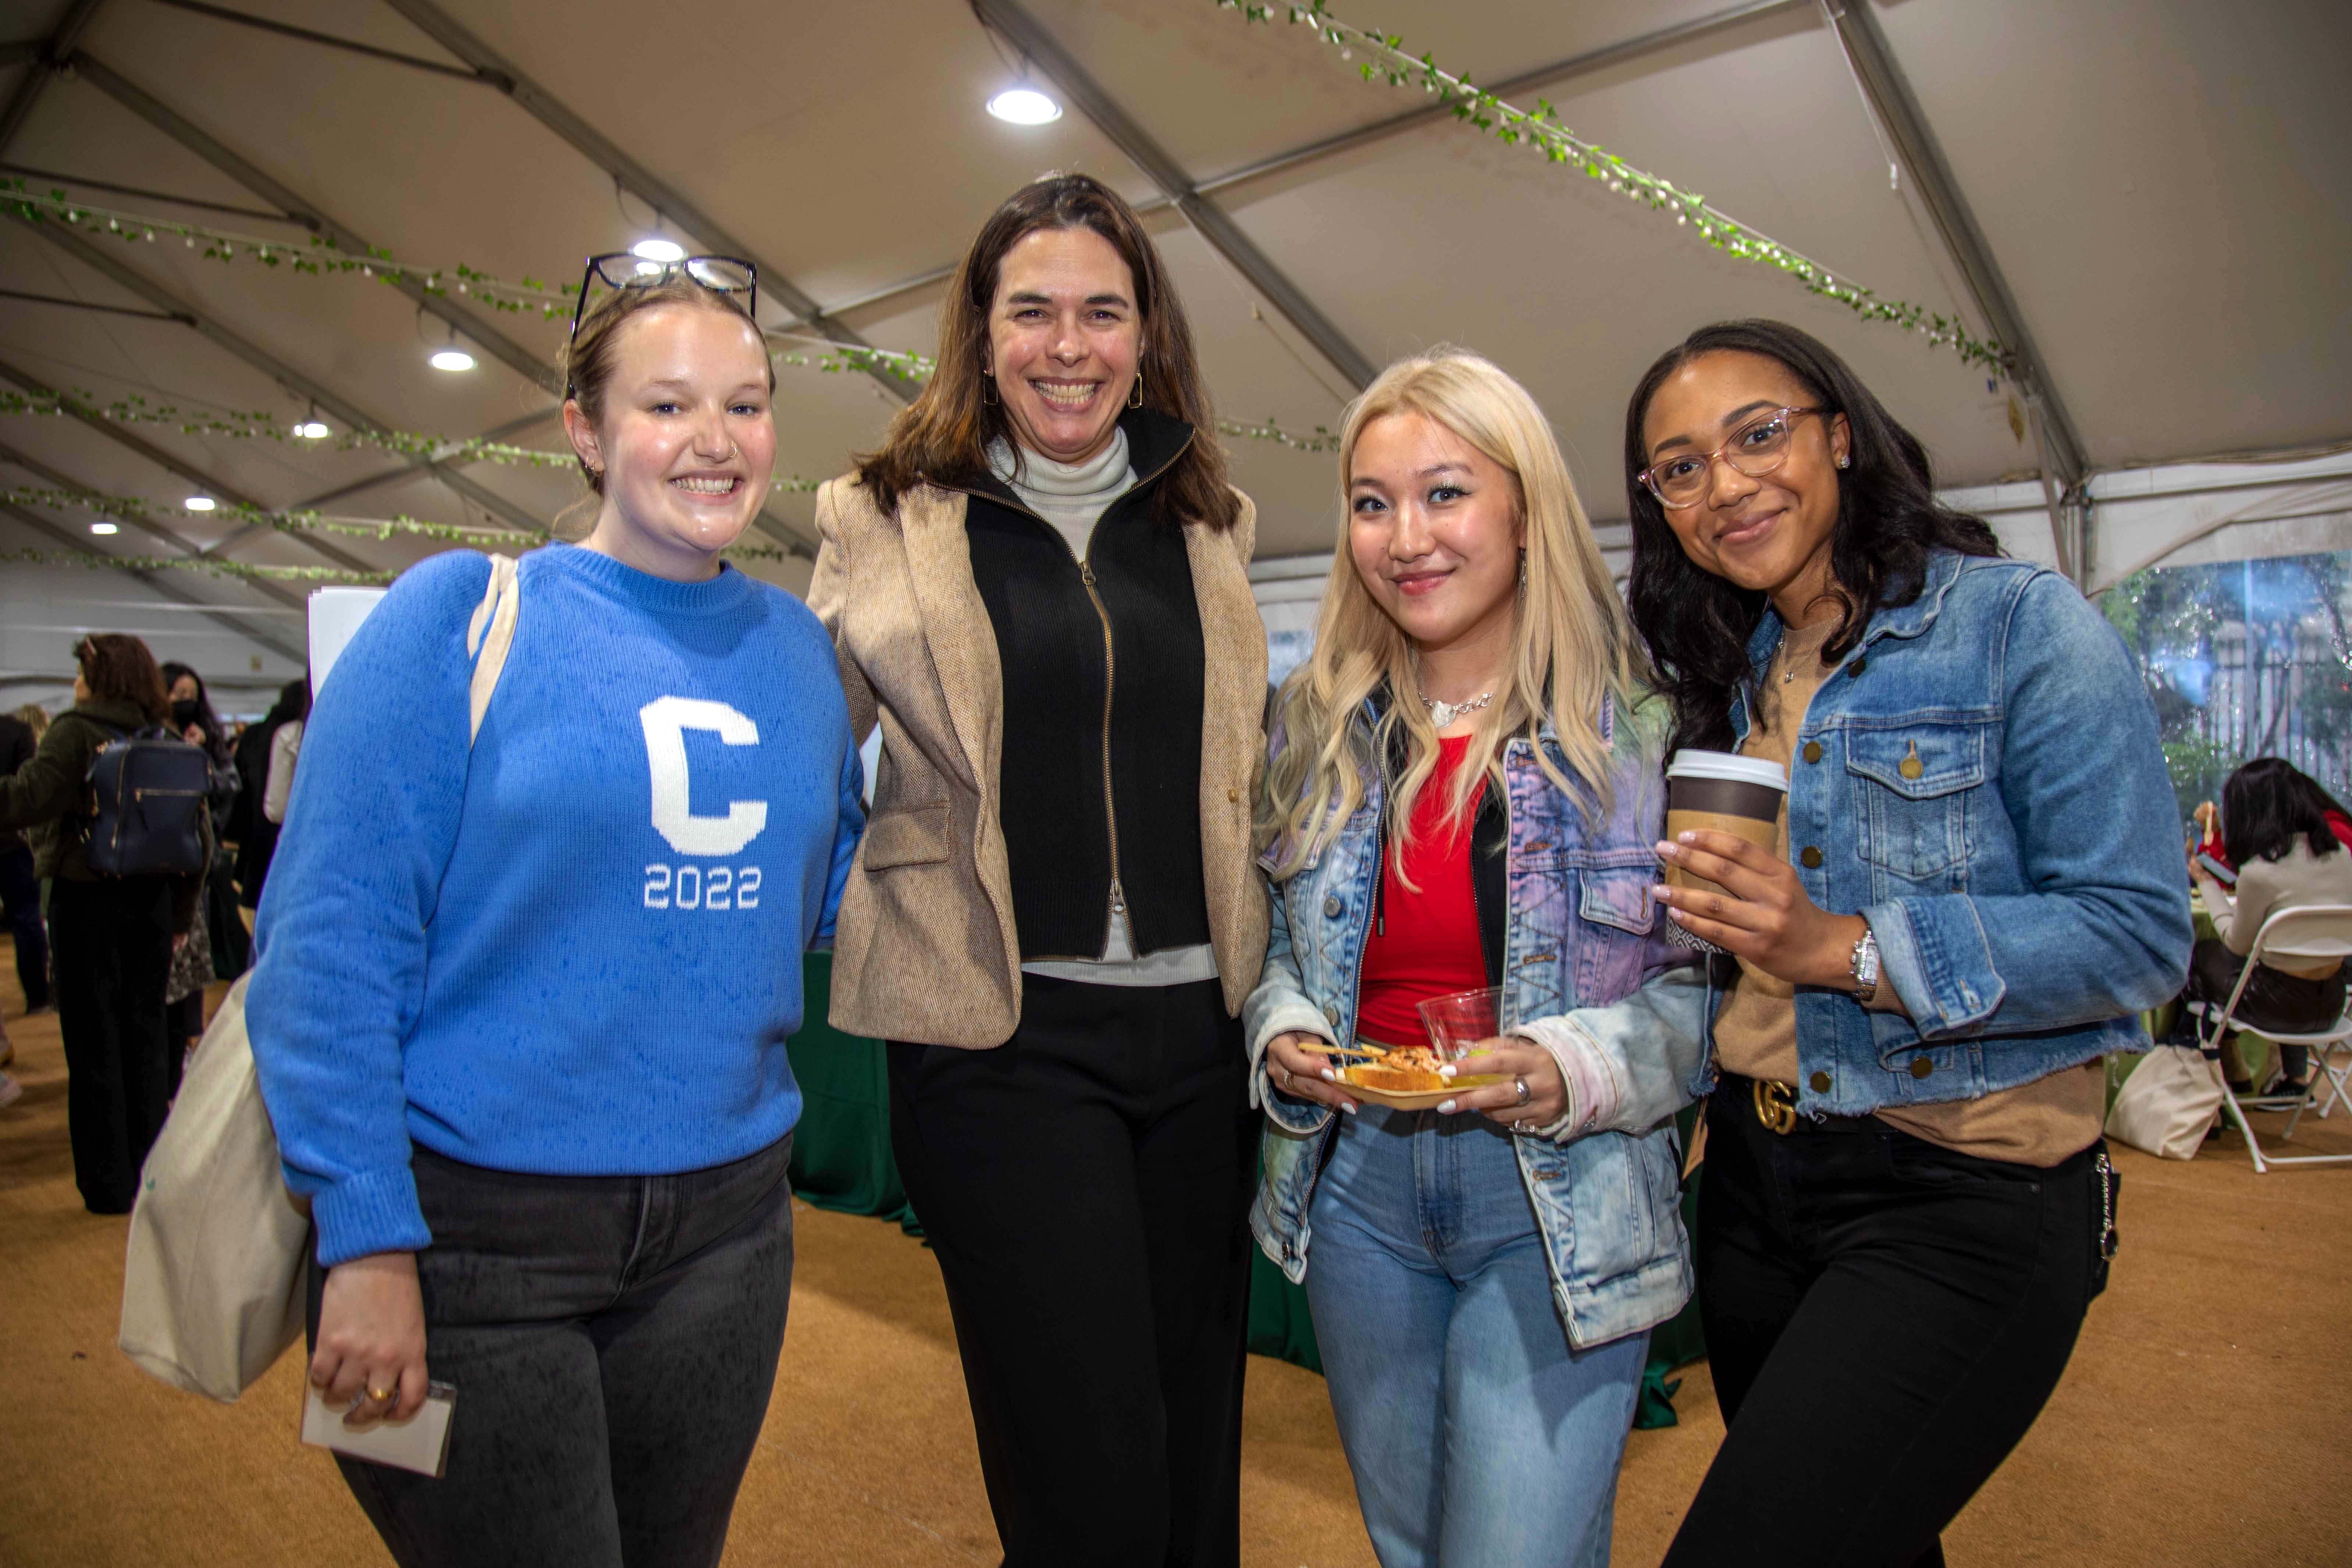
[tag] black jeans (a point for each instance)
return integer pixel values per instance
(1884, 1320)
(2274, 999)
(114, 954)
(1086, 1186)
(20, 904)
(612, 1340)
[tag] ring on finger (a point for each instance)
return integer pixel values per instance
(1525, 1093)
(381, 1395)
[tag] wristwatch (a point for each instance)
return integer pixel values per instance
(1864, 966)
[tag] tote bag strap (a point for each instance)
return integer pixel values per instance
(489, 635)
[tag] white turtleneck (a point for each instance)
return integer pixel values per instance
(1073, 497)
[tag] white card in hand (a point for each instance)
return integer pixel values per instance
(421, 1443)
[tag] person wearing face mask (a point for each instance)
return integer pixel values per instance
(520, 1005)
(1905, 1207)
(192, 960)
(1038, 588)
(1462, 791)
(111, 937)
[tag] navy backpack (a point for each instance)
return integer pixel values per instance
(148, 793)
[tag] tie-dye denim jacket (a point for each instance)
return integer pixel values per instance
(1585, 972)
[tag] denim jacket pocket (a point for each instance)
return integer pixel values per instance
(1615, 913)
(1912, 784)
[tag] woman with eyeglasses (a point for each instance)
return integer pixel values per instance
(1905, 1209)
(1038, 587)
(521, 998)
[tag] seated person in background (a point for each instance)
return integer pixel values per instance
(2276, 830)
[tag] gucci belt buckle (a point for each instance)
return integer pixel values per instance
(1776, 1106)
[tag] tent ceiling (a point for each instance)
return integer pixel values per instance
(2166, 186)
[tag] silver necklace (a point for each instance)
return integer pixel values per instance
(1443, 713)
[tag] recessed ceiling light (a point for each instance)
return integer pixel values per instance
(200, 503)
(312, 430)
(658, 250)
(1024, 106)
(452, 359)
(104, 528)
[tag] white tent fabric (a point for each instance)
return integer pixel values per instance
(2163, 189)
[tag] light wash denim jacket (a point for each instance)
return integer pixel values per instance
(1585, 974)
(1981, 779)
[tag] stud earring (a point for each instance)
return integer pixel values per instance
(1844, 461)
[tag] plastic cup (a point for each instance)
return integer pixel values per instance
(1723, 793)
(1456, 1023)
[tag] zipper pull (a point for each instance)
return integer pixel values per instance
(1117, 898)
(1086, 572)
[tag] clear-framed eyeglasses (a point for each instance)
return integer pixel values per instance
(1756, 449)
(617, 270)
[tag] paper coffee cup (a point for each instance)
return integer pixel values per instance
(1720, 791)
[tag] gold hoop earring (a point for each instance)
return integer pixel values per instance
(1135, 398)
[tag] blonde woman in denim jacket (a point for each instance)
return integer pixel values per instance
(1484, 1274)
(1904, 1210)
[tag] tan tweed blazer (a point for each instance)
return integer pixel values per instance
(924, 949)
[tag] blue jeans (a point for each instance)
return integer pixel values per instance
(1476, 1435)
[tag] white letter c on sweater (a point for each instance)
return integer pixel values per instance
(667, 719)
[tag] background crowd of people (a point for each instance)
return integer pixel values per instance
(125, 960)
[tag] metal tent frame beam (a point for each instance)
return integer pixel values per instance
(162, 582)
(270, 364)
(48, 59)
(171, 464)
(1608, 55)
(665, 198)
(1209, 220)
(222, 614)
(2065, 458)
(309, 214)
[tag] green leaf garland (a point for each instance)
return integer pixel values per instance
(1543, 132)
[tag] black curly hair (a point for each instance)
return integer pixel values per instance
(1888, 523)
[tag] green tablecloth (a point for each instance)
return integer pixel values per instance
(840, 1160)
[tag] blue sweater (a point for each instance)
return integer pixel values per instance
(576, 949)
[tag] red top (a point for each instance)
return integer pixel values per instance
(1430, 946)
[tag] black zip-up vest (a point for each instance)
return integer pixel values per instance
(1102, 660)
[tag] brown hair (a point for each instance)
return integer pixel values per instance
(118, 667)
(587, 363)
(944, 434)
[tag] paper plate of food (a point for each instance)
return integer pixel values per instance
(1407, 1077)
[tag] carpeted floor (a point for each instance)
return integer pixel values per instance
(2207, 1418)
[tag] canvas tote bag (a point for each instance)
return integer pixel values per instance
(2168, 1103)
(212, 1281)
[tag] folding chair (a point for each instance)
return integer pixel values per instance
(2305, 931)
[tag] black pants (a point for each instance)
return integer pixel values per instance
(114, 955)
(612, 1340)
(1884, 1320)
(2274, 999)
(20, 905)
(1085, 1185)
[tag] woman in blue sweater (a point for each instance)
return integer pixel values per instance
(520, 1007)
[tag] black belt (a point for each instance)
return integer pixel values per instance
(1774, 1105)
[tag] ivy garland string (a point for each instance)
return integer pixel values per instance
(136, 509)
(1543, 132)
(243, 425)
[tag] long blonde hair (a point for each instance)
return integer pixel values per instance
(1573, 648)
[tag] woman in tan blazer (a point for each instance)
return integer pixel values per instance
(1039, 589)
